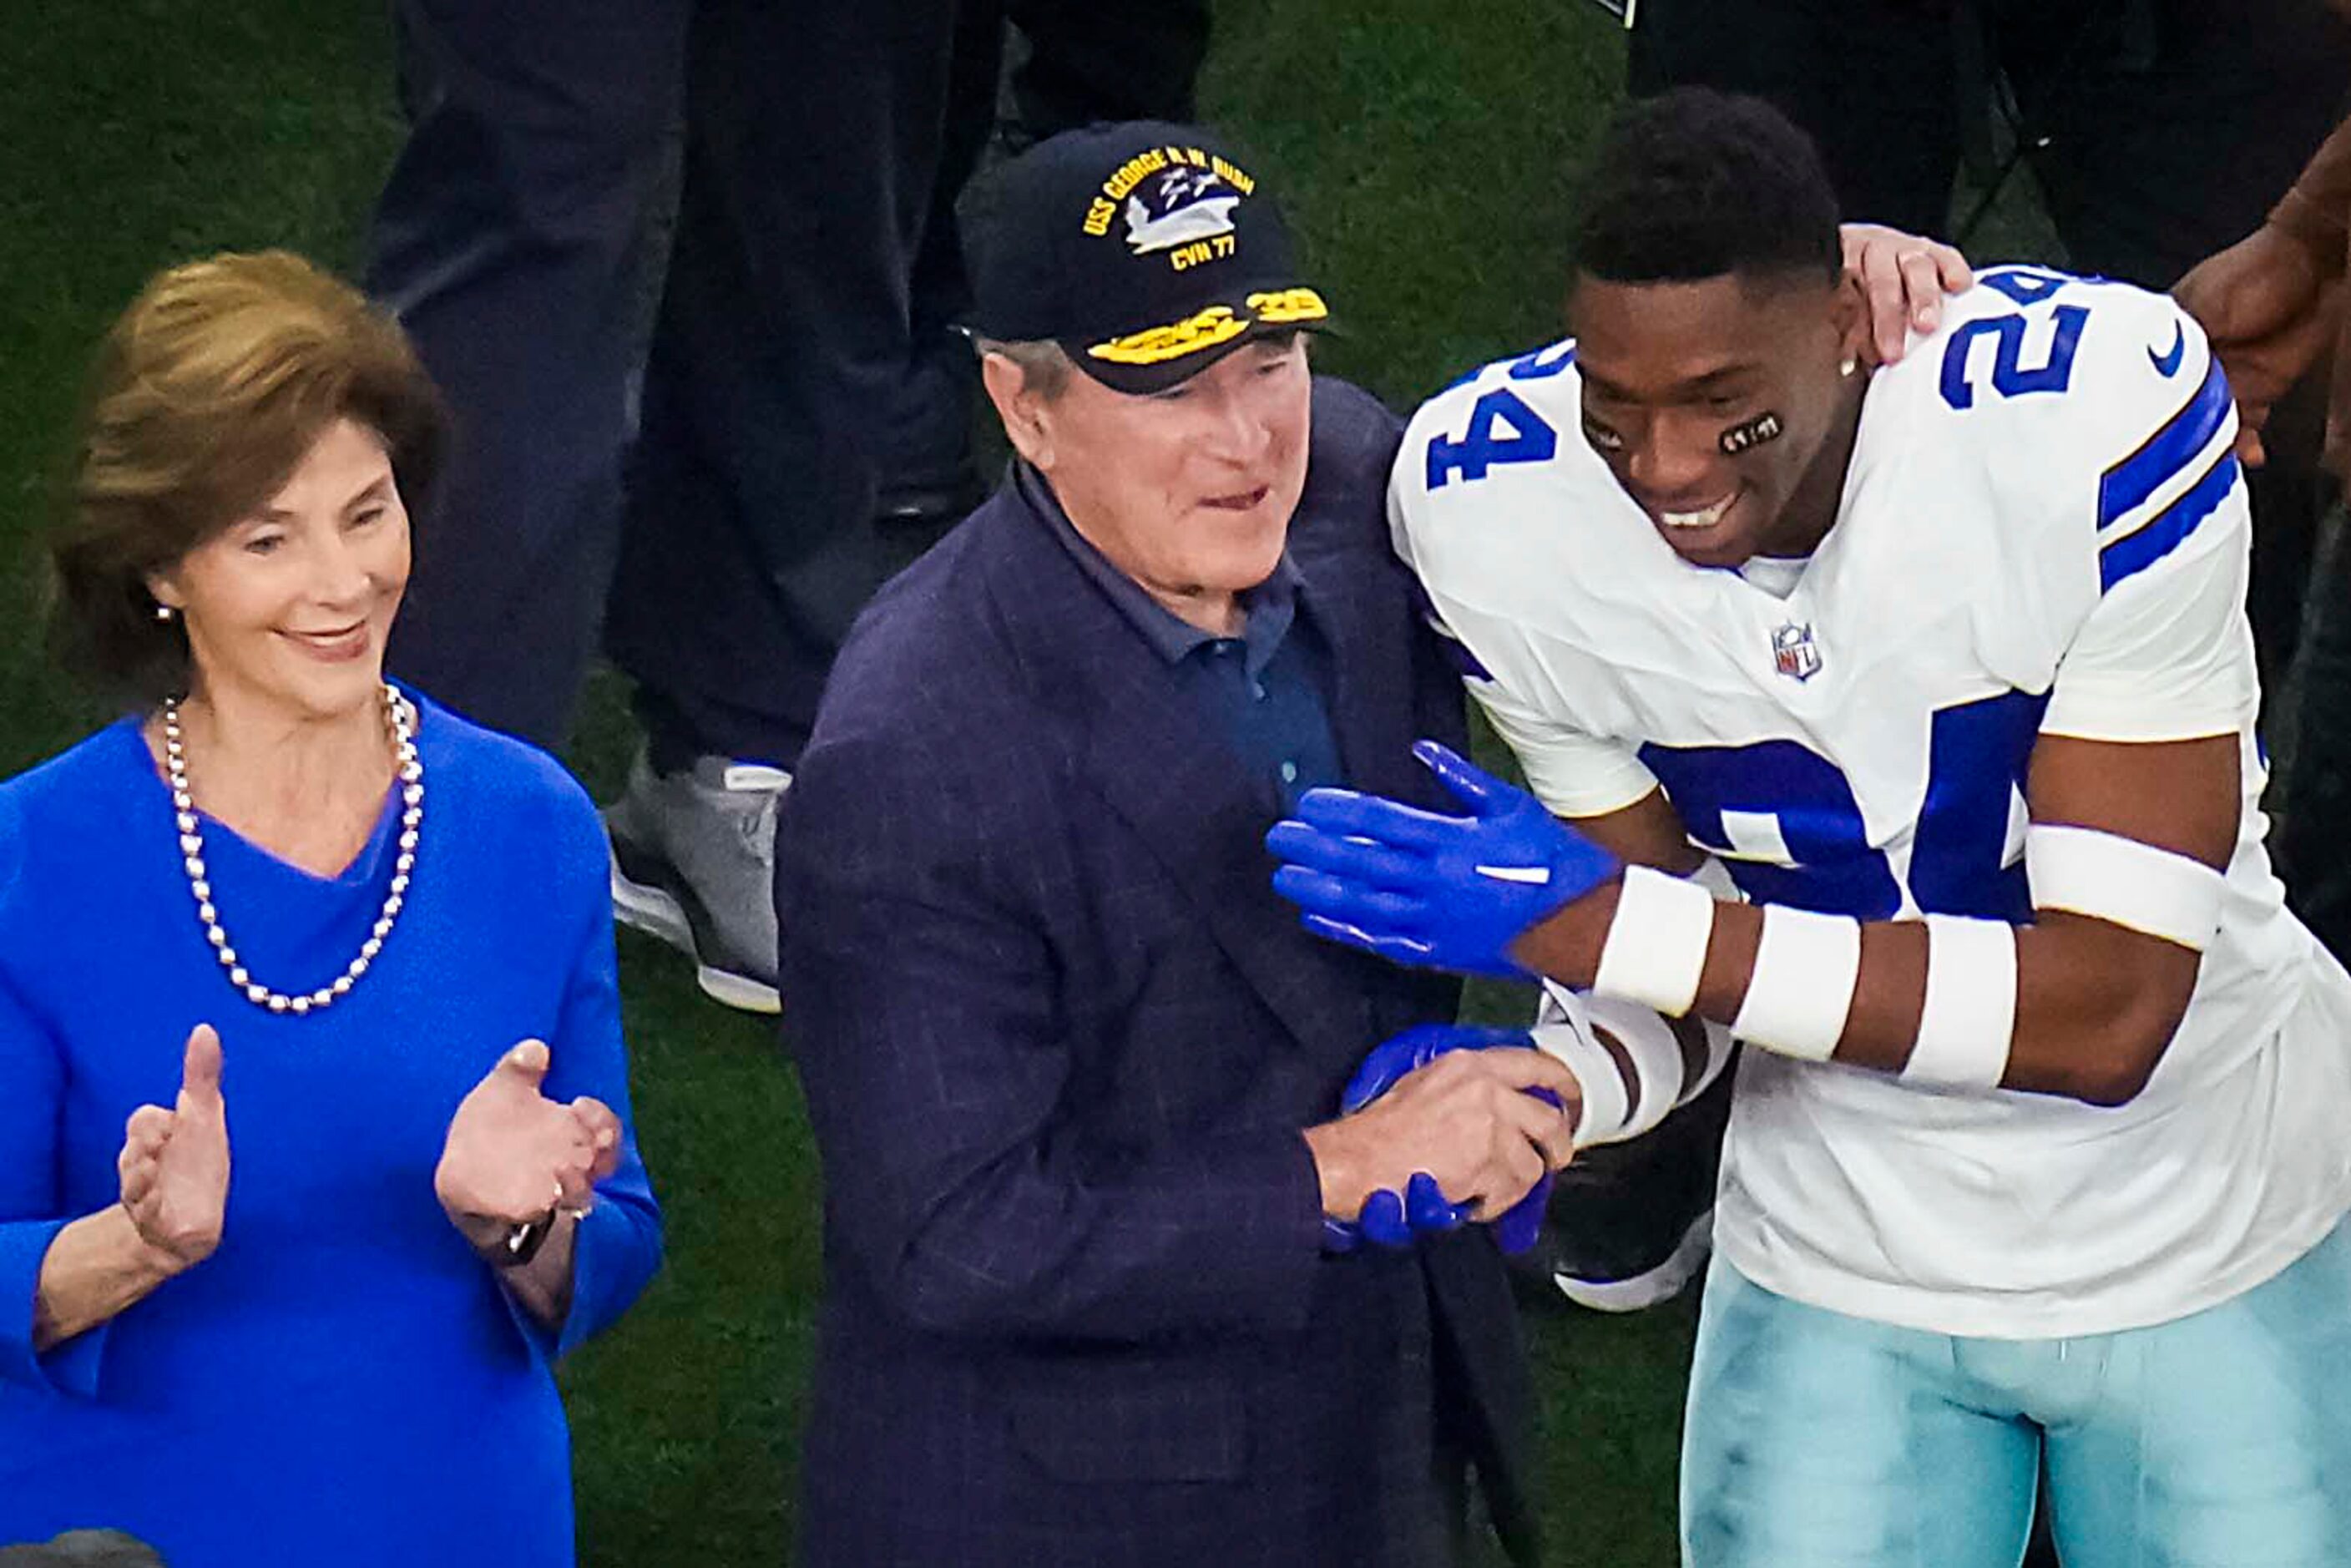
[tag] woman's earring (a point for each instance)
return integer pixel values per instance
(1848, 365)
(164, 612)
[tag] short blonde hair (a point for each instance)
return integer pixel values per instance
(205, 396)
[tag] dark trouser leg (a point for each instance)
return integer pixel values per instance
(814, 130)
(2290, 496)
(1872, 82)
(2171, 125)
(1106, 59)
(928, 476)
(511, 238)
(1099, 59)
(2312, 849)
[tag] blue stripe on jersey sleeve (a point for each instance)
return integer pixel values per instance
(2168, 452)
(2142, 548)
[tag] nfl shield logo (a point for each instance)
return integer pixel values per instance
(1792, 653)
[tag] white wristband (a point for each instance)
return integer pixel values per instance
(1969, 1018)
(2106, 876)
(1801, 988)
(1655, 946)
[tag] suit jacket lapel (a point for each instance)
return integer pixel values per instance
(1177, 785)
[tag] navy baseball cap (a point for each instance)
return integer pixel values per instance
(1143, 248)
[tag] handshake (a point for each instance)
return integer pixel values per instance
(1443, 1126)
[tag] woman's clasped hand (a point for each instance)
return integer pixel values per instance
(515, 1156)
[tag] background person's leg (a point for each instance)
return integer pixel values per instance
(2165, 130)
(512, 239)
(1872, 82)
(2311, 845)
(813, 130)
(813, 138)
(1106, 59)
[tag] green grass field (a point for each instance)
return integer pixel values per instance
(1424, 152)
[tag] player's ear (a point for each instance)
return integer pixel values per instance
(1849, 318)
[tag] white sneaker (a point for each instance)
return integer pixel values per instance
(1651, 1286)
(693, 857)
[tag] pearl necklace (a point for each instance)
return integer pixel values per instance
(192, 846)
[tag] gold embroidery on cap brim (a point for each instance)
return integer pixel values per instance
(1217, 324)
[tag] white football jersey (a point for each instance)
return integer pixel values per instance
(2042, 531)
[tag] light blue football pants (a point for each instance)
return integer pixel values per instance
(2221, 1440)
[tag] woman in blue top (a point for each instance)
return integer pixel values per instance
(314, 1130)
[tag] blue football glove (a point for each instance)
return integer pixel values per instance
(1409, 1050)
(1520, 1225)
(1438, 892)
(1396, 1222)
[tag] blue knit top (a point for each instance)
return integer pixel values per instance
(344, 1380)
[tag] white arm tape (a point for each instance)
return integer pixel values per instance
(1969, 1018)
(1802, 986)
(1656, 1055)
(1569, 1038)
(1656, 945)
(2121, 881)
(1566, 1027)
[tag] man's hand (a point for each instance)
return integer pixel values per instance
(1470, 1120)
(512, 1155)
(1416, 888)
(1902, 278)
(1397, 1219)
(2270, 311)
(1407, 1051)
(175, 1164)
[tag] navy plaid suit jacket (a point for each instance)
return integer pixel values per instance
(1058, 1039)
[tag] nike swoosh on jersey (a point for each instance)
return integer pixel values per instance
(2168, 362)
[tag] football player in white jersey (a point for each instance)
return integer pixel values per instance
(1903, 723)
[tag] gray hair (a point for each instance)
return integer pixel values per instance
(1044, 365)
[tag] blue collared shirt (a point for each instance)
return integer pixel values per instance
(1268, 691)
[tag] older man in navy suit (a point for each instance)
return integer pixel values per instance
(1091, 1289)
